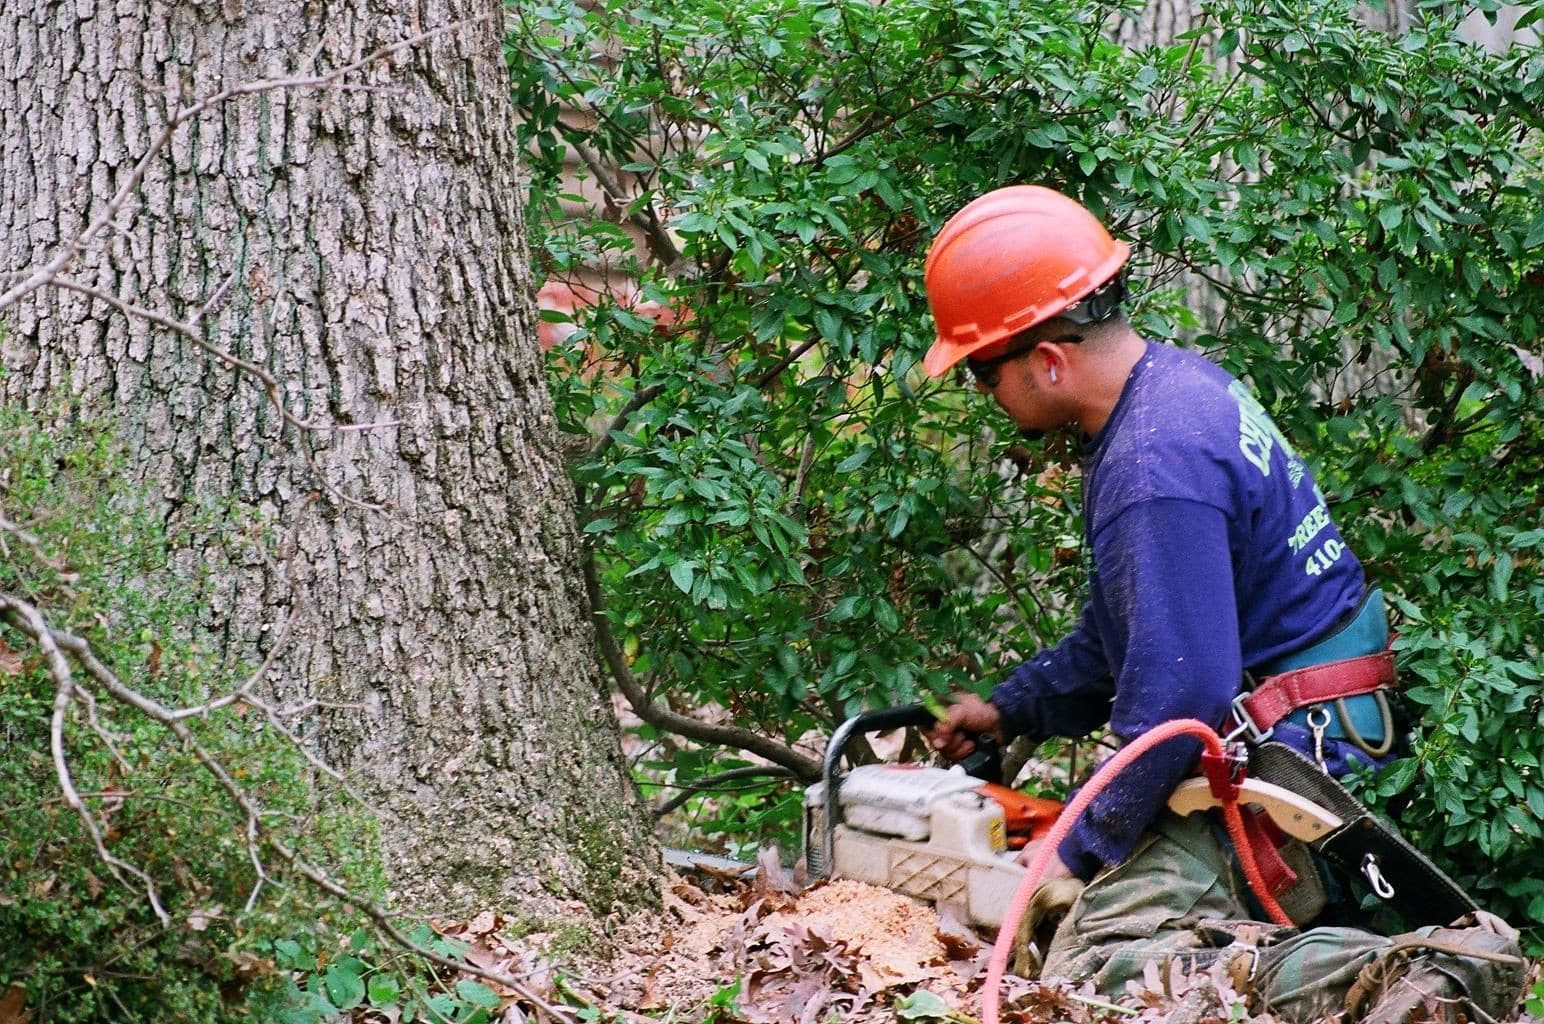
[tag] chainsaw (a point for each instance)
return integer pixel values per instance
(949, 836)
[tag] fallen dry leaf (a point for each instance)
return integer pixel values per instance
(13, 1006)
(200, 919)
(11, 664)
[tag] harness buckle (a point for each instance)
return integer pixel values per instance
(1247, 728)
(1224, 772)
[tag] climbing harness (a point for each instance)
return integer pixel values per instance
(1333, 689)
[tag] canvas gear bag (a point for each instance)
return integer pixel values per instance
(1365, 846)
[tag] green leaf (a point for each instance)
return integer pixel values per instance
(1397, 778)
(924, 1006)
(345, 989)
(443, 1008)
(681, 575)
(383, 991)
(1535, 236)
(1500, 576)
(478, 994)
(855, 460)
(289, 955)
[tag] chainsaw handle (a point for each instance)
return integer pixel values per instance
(985, 763)
(882, 720)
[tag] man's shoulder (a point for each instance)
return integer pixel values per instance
(1179, 438)
(1182, 400)
(1186, 369)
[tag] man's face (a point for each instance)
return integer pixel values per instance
(1024, 383)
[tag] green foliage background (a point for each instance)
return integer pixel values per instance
(789, 521)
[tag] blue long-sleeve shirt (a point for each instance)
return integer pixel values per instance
(1212, 552)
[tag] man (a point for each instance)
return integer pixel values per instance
(1213, 556)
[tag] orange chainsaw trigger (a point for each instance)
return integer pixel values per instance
(1026, 818)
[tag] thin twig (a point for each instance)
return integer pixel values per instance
(805, 769)
(29, 620)
(754, 771)
(35, 545)
(638, 401)
(188, 330)
(660, 242)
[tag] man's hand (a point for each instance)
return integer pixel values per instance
(968, 716)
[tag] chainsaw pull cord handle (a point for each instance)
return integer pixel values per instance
(1232, 817)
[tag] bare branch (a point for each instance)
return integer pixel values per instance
(189, 331)
(804, 768)
(271, 386)
(660, 242)
(30, 621)
(754, 771)
(32, 542)
(638, 401)
(806, 460)
(94, 722)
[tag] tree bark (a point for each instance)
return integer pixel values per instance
(373, 238)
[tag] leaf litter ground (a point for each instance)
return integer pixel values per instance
(762, 952)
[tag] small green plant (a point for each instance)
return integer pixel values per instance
(322, 985)
(925, 1006)
(1534, 1002)
(723, 1006)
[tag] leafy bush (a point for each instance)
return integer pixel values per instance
(789, 522)
(83, 937)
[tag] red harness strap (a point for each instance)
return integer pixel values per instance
(1276, 697)
(1263, 836)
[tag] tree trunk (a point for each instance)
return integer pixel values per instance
(371, 232)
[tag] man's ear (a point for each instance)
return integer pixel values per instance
(1054, 356)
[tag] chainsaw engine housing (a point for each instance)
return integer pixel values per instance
(933, 833)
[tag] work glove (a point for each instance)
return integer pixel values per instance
(1052, 900)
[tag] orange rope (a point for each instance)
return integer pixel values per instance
(1232, 816)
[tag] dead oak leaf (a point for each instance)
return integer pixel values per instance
(11, 663)
(13, 1006)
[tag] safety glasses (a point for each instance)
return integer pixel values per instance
(988, 372)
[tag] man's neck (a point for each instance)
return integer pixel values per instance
(1107, 371)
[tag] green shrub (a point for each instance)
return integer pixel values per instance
(82, 936)
(789, 521)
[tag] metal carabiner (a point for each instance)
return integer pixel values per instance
(1245, 728)
(1318, 721)
(1374, 876)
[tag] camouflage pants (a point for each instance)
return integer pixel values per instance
(1179, 900)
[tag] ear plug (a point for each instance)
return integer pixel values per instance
(1053, 375)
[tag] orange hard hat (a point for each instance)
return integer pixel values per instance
(1013, 258)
